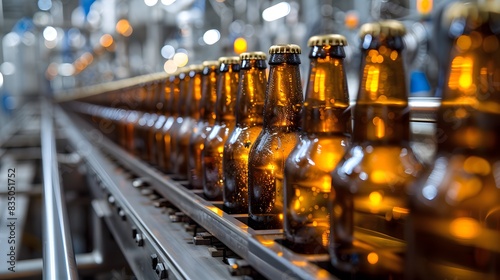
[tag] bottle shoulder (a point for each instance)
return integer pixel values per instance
(458, 181)
(365, 168)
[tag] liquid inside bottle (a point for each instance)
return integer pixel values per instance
(279, 135)
(224, 124)
(326, 125)
(249, 110)
(455, 206)
(207, 115)
(369, 197)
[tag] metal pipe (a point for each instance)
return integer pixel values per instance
(58, 256)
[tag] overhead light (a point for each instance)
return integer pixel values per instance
(150, 3)
(211, 37)
(106, 40)
(44, 5)
(277, 11)
(170, 66)
(181, 59)
(240, 45)
(167, 2)
(167, 51)
(50, 33)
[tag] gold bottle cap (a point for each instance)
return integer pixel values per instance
(328, 39)
(288, 48)
(210, 63)
(477, 13)
(388, 28)
(196, 67)
(253, 55)
(229, 60)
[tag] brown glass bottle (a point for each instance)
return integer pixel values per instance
(133, 115)
(249, 110)
(207, 120)
(164, 115)
(280, 133)
(171, 123)
(142, 137)
(158, 112)
(227, 89)
(369, 198)
(183, 117)
(192, 116)
(326, 125)
(455, 206)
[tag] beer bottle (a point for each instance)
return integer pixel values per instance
(326, 125)
(249, 109)
(192, 116)
(455, 206)
(158, 112)
(164, 115)
(139, 95)
(147, 119)
(207, 120)
(369, 197)
(183, 117)
(172, 121)
(227, 88)
(280, 133)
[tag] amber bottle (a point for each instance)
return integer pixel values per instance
(455, 207)
(326, 125)
(191, 117)
(249, 110)
(227, 88)
(148, 117)
(369, 197)
(280, 133)
(171, 123)
(204, 126)
(163, 115)
(133, 115)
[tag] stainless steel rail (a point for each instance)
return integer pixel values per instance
(58, 256)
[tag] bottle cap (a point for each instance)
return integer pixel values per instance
(282, 49)
(210, 63)
(229, 60)
(328, 39)
(388, 28)
(196, 68)
(253, 55)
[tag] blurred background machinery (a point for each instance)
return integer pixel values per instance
(50, 47)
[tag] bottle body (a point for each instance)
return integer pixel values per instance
(212, 154)
(235, 167)
(307, 190)
(265, 177)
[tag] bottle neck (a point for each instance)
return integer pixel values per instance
(209, 95)
(283, 104)
(194, 96)
(227, 90)
(251, 93)
(469, 116)
(381, 114)
(326, 98)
